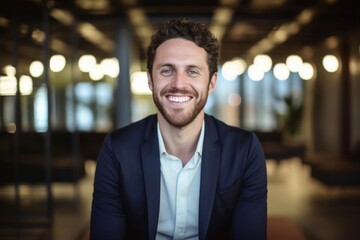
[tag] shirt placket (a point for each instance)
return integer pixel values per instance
(181, 204)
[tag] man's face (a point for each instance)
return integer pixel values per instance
(180, 81)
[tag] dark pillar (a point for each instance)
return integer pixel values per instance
(47, 135)
(122, 90)
(345, 120)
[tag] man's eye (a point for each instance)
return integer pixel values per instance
(166, 71)
(193, 72)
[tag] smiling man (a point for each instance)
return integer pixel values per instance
(180, 81)
(180, 174)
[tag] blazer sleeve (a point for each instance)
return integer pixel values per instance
(107, 213)
(250, 218)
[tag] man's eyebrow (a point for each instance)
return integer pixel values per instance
(173, 66)
(193, 66)
(164, 65)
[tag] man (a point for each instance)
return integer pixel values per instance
(180, 174)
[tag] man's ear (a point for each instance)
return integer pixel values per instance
(150, 82)
(212, 83)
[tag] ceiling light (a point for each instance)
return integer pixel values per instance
(64, 17)
(218, 31)
(255, 73)
(294, 63)
(139, 84)
(306, 16)
(306, 71)
(263, 61)
(36, 68)
(93, 5)
(38, 36)
(110, 67)
(59, 46)
(96, 37)
(231, 69)
(9, 70)
(96, 73)
(26, 85)
(332, 42)
(7, 85)
(292, 27)
(222, 16)
(137, 16)
(240, 65)
(280, 36)
(330, 63)
(86, 62)
(281, 71)
(57, 63)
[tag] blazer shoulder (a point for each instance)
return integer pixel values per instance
(223, 130)
(134, 131)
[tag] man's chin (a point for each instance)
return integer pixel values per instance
(178, 120)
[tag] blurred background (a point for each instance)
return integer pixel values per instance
(71, 71)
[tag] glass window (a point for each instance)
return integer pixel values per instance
(41, 110)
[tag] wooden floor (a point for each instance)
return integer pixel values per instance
(298, 208)
(282, 228)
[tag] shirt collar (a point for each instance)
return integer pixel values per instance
(199, 146)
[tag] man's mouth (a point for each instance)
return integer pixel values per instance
(179, 99)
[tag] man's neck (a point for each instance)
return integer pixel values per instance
(181, 142)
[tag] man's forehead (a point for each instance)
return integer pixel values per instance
(180, 49)
(179, 42)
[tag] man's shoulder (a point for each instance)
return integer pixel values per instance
(136, 129)
(231, 137)
(223, 128)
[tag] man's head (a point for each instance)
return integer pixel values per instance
(182, 70)
(189, 30)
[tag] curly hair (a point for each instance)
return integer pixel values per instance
(189, 30)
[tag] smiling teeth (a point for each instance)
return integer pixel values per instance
(179, 99)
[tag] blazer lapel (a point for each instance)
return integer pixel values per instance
(151, 167)
(209, 175)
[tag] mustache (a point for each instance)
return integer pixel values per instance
(175, 90)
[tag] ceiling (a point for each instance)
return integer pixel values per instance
(245, 27)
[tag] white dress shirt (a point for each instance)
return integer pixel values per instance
(179, 195)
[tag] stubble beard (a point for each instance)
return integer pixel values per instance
(180, 118)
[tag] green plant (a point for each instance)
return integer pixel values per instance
(293, 115)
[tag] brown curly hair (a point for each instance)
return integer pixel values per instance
(190, 30)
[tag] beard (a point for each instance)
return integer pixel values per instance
(180, 118)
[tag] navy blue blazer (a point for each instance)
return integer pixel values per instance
(233, 191)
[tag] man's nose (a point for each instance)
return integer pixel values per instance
(179, 80)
